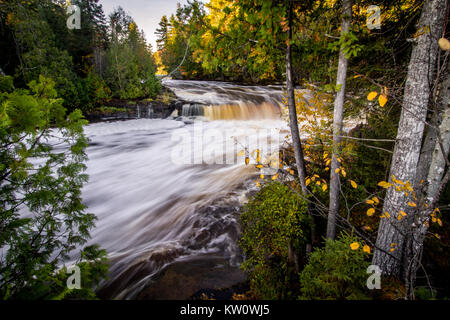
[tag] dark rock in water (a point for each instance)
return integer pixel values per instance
(221, 294)
(189, 279)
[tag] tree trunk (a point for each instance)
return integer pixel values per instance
(295, 133)
(434, 182)
(337, 124)
(392, 233)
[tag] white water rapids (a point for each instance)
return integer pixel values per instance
(154, 208)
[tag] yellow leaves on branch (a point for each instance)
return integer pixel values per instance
(354, 246)
(392, 247)
(371, 96)
(384, 184)
(382, 98)
(401, 215)
(385, 215)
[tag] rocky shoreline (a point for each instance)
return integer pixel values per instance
(165, 105)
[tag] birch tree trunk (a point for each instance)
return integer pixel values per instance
(389, 254)
(434, 182)
(337, 124)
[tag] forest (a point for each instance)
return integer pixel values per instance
(357, 207)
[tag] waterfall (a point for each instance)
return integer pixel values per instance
(149, 111)
(192, 110)
(242, 111)
(138, 111)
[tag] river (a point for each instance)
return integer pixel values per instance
(168, 191)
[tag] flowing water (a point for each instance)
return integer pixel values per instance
(166, 191)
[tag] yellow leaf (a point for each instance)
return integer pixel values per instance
(376, 200)
(444, 44)
(326, 169)
(241, 153)
(261, 176)
(384, 184)
(247, 160)
(337, 170)
(372, 95)
(308, 181)
(385, 215)
(382, 100)
(437, 236)
(370, 201)
(354, 246)
(366, 249)
(328, 162)
(412, 204)
(291, 171)
(392, 250)
(325, 155)
(343, 172)
(324, 188)
(402, 213)
(258, 184)
(370, 212)
(259, 166)
(275, 177)
(439, 221)
(353, 183)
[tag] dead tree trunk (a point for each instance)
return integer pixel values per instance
(337, 124)
(392, 233)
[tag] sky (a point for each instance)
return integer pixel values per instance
(146, 13)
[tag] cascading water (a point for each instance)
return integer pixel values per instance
(157, 206)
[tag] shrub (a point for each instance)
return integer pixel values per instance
(273, 218)
(335, 271)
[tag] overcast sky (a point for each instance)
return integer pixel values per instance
(146, 13)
